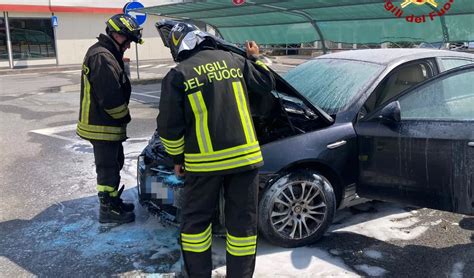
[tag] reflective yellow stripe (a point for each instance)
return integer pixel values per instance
(172, 143)
(117, 109)
(175, 151)
(118, 112)
(112, 23)
(241, 251)
(85, 69)
(241, 241)
(196, 237)
(102, 129)
(244, 112)
(106, 188)
(126, 23)
(202, 129)
(262, 64)
(223, 154)
(225, 164)
(197, 247)
(100, 136)
(86, 99)
(173, 147)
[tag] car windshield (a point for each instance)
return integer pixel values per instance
(332, 83)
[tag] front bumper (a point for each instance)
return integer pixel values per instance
(157, 184)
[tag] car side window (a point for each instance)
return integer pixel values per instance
(398, 81)
(451, 63)
(449, 98)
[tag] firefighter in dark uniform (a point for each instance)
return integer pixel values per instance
(104, 113)
(205, 124)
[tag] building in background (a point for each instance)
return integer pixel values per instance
(34, 41)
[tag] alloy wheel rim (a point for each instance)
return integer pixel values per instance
(298, 210)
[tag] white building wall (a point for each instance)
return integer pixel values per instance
(77, 32)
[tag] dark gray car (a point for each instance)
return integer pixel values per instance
(386, 124)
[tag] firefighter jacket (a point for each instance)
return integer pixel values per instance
(105, 93)
(205, 117)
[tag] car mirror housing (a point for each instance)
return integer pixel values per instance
(391, 113)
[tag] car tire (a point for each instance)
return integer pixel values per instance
(297, 209)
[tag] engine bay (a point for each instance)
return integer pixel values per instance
(287, 116)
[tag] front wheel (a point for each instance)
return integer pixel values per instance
(297, 209)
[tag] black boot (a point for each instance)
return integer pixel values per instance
(128, 207)
(111, 210)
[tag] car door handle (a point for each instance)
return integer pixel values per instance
(336, 144)
(470, 144)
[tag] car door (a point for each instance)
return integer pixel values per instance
(419, 148)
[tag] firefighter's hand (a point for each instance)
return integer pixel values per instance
(251, 48)
(179, 170)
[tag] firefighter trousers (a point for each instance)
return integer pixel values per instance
(109, 160)
(201, 196)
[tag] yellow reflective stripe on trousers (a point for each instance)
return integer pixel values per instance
(106, 188)
(86, 99)
(197, 247)
(241, 251)
(241, 241)
(197, 242)
(223, 154)
(225, 164)
(202, 129)
(196, 237)
(118, 112)
(243, 111)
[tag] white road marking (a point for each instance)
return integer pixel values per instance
(145, 66)
(147, 95)
(160, 66)
(172, 66)
(19, 74)
(70, 71)
(52, 132)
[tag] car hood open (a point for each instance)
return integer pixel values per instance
(164, 26)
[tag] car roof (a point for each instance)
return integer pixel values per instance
(387, 56)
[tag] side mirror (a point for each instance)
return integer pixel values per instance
(390, 114)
